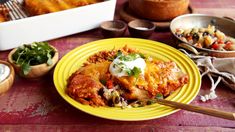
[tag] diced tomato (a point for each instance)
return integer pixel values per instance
(220, 41)
(228, 46)
(109, 84)
(228, 42)
(215, 46)
(189, 38)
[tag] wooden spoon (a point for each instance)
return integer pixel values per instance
(198, 109)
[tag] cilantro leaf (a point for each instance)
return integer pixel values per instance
(133, 72)
(119, 53)
(103, 81)
(129, 72)
(159, 96)
(25, 68)
(142, 55)
(136, 71)
(33, 54)
(49, 60)
(131, 57)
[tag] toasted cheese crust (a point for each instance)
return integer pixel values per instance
(39, 7)
(4, 13)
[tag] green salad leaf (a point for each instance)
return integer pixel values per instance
(33, 54)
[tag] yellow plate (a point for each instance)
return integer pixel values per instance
(74, 59)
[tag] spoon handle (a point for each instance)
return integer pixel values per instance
(198, 109)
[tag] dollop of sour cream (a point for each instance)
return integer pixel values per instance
(118, 67)
(4, 72)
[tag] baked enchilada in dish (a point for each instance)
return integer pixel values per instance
(125, 78)
(4, 13)
(39, 7)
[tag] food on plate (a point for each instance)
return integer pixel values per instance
(124, 77)
(4, 14)
(39, 7)
(35, 54)
(210, 38)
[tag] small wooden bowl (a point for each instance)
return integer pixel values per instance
(112, 29)
(36, 70)
(141, 28)
(6, 84)
(159, 10)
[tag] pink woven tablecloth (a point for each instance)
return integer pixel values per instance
(35, 104)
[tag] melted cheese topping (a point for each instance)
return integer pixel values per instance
(118, 67)
(4, 72)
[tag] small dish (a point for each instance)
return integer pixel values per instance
(35, 70)
(202, 20)
(7, 74)
(141, 28)
(54, 25)
(112, 29)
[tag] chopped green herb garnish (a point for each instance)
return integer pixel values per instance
(159, 96)
(129, 72)
(26, 68)
(129, 57)
(119, 53)
(136, 71)
(142, 55)
(103, 81)
(49, 60)
(33, 54)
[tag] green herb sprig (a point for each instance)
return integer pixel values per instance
(33, 54)
(134, 72)
(131, 57)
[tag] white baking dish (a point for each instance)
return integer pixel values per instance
(54, 25)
